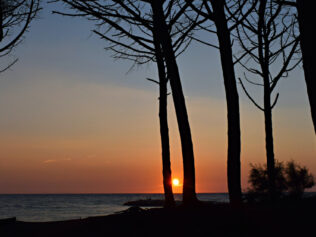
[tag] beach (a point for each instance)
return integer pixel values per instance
(287, 218)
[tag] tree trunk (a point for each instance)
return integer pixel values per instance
(164, 130)
(269, 141)
(306, 17)
(232, 100)
(1, 21)
(263, 52)
(189, 194)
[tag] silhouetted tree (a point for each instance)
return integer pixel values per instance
(214, 11)
(165, 34)
(143, 31)
(297, 179)
(269, 38)
(15, 18)
(305, 17)
(164, 130)
(259, 181)
(291, 178)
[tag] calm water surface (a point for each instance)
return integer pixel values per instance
(52, 207)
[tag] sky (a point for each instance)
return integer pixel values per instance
(74, 120)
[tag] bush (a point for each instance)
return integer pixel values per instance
(297, 179)
(291, 178)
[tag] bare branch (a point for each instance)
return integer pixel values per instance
(154, 81)
(249, 96)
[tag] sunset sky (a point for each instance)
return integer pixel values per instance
(73, 120)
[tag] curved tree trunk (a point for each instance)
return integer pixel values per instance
(189, 194)
(232, 100)
(306, 17)
(164, 130)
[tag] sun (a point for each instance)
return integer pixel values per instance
(176, 182)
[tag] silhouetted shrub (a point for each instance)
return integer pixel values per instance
(297, 179)
(291, 178)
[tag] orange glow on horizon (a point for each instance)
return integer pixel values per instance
(74, 147)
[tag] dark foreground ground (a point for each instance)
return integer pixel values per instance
(289, 218)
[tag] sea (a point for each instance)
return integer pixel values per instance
(57, 207)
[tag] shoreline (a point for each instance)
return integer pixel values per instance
(290, 218)
(65, 207)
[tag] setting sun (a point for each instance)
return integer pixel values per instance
(176, 182)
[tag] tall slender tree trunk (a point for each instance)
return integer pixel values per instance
(1, 20)
(269, 140)
(306, 18)
(232, 100)
(164, 130)
(189, 194)
(263, 52)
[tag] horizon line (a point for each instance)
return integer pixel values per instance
(101, 193)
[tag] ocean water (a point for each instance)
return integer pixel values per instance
(55, 207)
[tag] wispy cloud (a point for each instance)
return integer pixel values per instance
(49, 161)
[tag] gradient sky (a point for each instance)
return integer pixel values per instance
(73, 120)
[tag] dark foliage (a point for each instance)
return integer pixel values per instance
(290, 178)
(297, 179)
